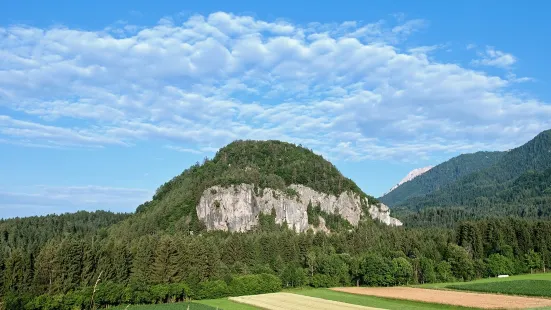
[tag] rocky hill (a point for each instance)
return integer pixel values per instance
(247, 180)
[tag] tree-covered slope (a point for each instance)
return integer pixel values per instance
(529, 196)
(266, 164)
(441, 175)
(476, 187)
(33, 232)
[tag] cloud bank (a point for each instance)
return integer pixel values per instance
(347, 90)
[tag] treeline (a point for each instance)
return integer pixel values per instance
(31, 233)
(169, 267)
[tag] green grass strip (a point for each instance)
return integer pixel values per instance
(226, 304)
(175, 306)
(540, 288)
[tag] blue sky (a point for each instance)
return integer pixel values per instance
(101, 102)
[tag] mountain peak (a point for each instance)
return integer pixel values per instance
(410, 176)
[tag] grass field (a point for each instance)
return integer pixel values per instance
(176, 306)
(536, 276)
(371, 301)
(518, 287)
(209, 304)
(226, 304)
(494, 283)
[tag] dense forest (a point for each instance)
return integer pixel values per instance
(166, 267)
(162, 253)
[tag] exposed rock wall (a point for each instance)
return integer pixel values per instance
(382, 213)
(237, 207)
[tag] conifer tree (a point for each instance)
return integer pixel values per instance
(165, 263)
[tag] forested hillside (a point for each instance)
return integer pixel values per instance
(529, 196)
(516, 185)
(31, 233)
(440, 176)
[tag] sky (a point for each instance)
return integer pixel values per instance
(101, 102)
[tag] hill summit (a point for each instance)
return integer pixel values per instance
(248, 180)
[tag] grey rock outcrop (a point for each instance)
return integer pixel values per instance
(237, 207)
(382, 213)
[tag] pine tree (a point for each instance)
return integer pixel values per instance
(71, 263)
(165, 264)
(140, 271)
(89, 262)
(46, 267)
(122, 261)
(16, 273)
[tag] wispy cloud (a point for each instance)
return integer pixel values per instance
(346, 90)
(495, 58)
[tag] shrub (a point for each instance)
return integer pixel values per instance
(212, 290)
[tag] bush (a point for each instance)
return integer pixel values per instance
(499, 264)
(444, 272)
(322, 280)
(269, 283)
(212, 290)
(109, 293)
(254, 284)
(159, 293)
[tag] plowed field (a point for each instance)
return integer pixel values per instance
(466, 299)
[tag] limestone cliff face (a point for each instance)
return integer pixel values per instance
(237, 207)
(382, 213)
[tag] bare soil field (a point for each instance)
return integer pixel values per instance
(465, 299)
(288, 301)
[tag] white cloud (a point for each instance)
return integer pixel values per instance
(495, 58)
(425, 49)
(202, 150)
(409, 27)
(200, 84)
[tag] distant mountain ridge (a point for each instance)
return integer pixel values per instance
(534, 155)
(410, 176)
(440, 176)
(488, 184)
